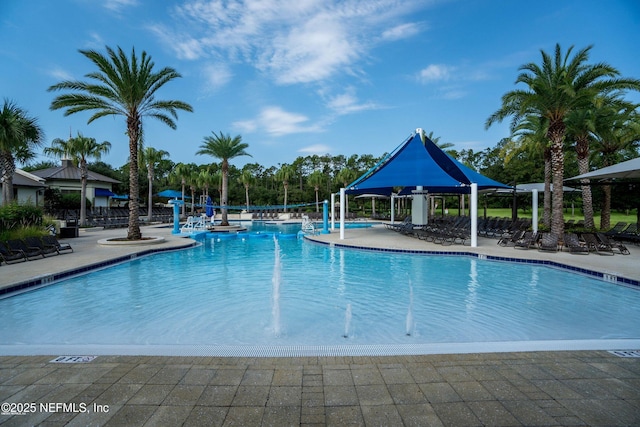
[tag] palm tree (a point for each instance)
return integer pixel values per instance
(246, 179)
(316, 178)
(127, 87)
(284, 175)
(79, 149)
(19, 133)
(561, 85)
(617, 132)
(150, 158)
(224, 147)
(180, 172)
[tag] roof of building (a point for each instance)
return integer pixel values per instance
(68, 171)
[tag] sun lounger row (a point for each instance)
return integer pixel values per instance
(551, 242)
(30, 248)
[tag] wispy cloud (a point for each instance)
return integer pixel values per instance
(402, 31)
(216, 76)
(434, 72)
(303, 41)
(348, 103)
(275, 121)
(59, 74)
(118, 5)
(315, 149)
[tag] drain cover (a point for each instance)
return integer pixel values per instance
(73, 359)
(626, 353)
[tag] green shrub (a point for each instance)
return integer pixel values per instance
(71, 201)
(14, 216)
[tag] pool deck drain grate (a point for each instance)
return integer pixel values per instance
(73, 359)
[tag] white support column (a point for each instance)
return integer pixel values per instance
(473, 207)
(333, 211)
(393, 208)
(342, 211)
(534, 209)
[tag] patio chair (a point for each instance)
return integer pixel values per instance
(602, 237)
(9, 256)
(595, 245)
(548, 242)
(617, 229)
(630, 234)
(30, 252)
(528, 240)
(573, 243)
(511, 239)
(46, 249)
(61, 247)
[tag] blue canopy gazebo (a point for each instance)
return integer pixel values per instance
(421, 167)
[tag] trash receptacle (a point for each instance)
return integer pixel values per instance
(68, 232)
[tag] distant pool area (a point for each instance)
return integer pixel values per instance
(183, 303)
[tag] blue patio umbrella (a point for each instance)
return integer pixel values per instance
(209, 207)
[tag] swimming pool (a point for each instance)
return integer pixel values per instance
(253, 295)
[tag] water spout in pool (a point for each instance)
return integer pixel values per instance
(275, 280)
(347, 321)
(409, 322)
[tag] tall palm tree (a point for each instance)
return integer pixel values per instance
(180, 173)
(19, 134)
(316, 178)
(79, 150)
(617, 132)
(127, 87)
(224, 147)
(284, 175)
(560, 85)
(150, 158)
(246, 179)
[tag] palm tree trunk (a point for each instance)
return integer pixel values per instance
(246, 195)
(83, 193)
(150, 205)
(223, 204)
(582, 149)
(8, 167)
(546, 204)
(556, 133)
(317, 202)
(286, 187)
(133, 129)
(605, 215)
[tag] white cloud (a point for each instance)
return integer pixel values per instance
(274, 121)
(434, 72)
(347, 103)
(216, 76)
(60, 74)
(315, 149)
(402, 31)
(301, 41)
(118, 5)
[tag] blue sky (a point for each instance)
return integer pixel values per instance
(302, 77)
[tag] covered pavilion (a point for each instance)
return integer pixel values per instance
(421, 167)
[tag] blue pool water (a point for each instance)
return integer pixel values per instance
(242, 290)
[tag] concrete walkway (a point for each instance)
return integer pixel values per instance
(595, 388)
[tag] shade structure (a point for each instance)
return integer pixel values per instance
(104, 192)
(420, 162)
(208, 208)
(172, 194)
(628, 169)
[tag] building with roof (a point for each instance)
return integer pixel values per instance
(28, 188)
(67, 179)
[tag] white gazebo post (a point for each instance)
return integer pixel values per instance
(393, 207)
(534, 209)
(473, 207)
(333, 211)
(342, 199)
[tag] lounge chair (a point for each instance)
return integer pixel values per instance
(595, 245)
(60, 246)
(18, 245)
(573, 243)
(46, 249)
(630, 234)
(528, 240)
(510, 240)
(548, 242)
(604, 240)
(9, 256)
(617, 229)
